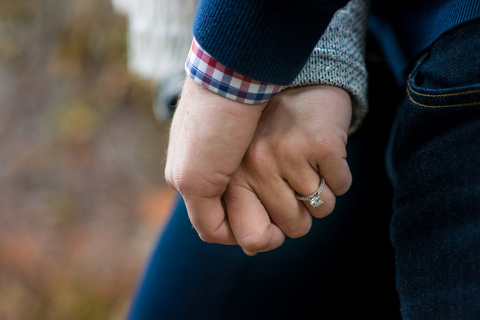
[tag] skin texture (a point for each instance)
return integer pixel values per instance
(238, 167)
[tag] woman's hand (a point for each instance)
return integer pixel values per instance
(301, 137)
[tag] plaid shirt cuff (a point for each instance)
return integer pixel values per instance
(213, 75)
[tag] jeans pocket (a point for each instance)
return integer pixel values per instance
(422, 95)
(433, 160)
(440, 112)
(448, 75)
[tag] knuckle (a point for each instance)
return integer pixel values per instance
(285, 144)
(191, 181)
(299, 229)
(344, 187)
(169, 176)
(343, 183)
(211, 236)
(208, 238)
(169, 181)
(327, 147)
(256, 158)
(330, 149)
(178, 178)
(255, 242)
(181, 183)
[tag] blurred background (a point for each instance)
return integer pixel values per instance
(82, 193)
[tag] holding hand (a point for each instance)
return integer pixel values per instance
(208, 139)
(240, 181)
(300, 139)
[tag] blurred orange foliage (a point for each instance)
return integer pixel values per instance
(82, 195)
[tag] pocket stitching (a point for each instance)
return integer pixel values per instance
(440, 96)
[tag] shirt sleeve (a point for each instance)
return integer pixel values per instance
(339, 57)
(266, 40)
(213, 75)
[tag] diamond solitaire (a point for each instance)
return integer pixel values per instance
(315, 200)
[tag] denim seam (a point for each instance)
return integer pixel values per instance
(442, 95)
(410, 89)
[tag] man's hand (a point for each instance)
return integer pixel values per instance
(208, 139)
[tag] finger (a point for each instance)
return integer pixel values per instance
(210, 220)
(305, 180)
(250, 223)
(287, 213)
(332, 165)
(337, 174)
(326, 206)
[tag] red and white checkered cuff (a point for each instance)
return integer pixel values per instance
(211, 74)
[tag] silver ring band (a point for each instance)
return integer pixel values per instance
(314, 199)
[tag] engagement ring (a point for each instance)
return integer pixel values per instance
(314, 199)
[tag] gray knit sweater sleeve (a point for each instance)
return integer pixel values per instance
(339, 57)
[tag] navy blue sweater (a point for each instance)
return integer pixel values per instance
(270, 40)
(406, 28)
(267, 40)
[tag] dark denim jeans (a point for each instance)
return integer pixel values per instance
(342, 269)
(434, 163)
(345, 267)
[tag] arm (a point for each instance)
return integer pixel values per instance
(339, 57)
(199, 167)
(300, 138)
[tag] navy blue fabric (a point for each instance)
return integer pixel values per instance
(407, 28)
(343, 267)
(434, 164)
(267, 40)
(270, 40)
